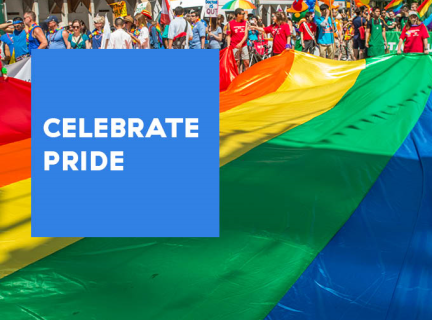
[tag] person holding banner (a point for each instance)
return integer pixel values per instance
(376, 41)
(415, 36)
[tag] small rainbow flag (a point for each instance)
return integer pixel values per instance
(394, 4)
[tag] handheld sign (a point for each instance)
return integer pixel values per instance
(119, 9)
(211, 8)
(143, 6)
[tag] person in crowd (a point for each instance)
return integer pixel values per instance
(326, 28)
(120, 39)
(358, 42)
(308, 31)
(70, 29)
(414, 6)
(84, 29)
(17, 41)
(237, 34)
(57, 37)
(376, 41)
(338, 35)
(391, 21)
(131, 29)
(414, 36)
(403, 19)
(165, 29)
(348, 51)
(225, 29)
(198, 31)
(35, 36)
(144, 35)
(96, 35)
(78, 40)
(180, 31)
(280, 32)
(155, 34)
(253, 33)
(214, 32)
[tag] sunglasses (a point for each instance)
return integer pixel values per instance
(76, 27)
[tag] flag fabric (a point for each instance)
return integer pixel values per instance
(317, 10)
(394, 4)
(20, 70)
(228, 70)
(423, 10)
(167, 14)
(106, 33)
(324, 199)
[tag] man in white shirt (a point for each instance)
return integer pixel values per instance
(120, 39)
(177, 29)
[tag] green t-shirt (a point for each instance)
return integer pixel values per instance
(165, 32)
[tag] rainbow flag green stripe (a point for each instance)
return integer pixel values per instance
(281, 203)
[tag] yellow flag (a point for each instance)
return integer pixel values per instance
(119, 9)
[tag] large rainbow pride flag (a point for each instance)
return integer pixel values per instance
(326, 208)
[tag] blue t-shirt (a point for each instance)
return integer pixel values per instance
(96, 39)
(325, 33)
(215, 44)
(7, 38)
(198, 32)
(19, 43)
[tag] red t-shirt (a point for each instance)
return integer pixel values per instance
(414, 38)
(237, 33)
(280, 34)
(312, 27)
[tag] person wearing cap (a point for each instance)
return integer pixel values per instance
(57, 37)
(120, 39)
(415, 36)
(16, 41)
(376, 41)
(35, 36)
(96, 35)
(132, 30)
(198, 32)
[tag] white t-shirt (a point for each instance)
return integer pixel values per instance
(144, 36)
(177, 26)
(118, 40)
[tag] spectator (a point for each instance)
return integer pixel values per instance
(96, 36)
(78, 40)
(414, 6)
(120, 39)
(358, 39)
(84, 29)
(376, 41)
(326, 28)
(308, 31)
(57, 38)
(132, 30)
(180, 31)
(237, 35)
(35, 35)
(338, 35)
(198, 31)
(415, 36)
(144, 34)
(214, 32)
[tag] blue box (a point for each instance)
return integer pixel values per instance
(169, 187)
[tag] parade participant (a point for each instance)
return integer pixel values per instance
(253, 34)
(78, 40)
(391, 21)
(18, 41)
(144, 35)
(225, 29)
(338, 36)
(348, 42)
(326, 28)
(358, 39)
(96, 35)
(403, 19)
(84, 29)
(280, 32)
(57, 37)
(198, 32)
(35, 35)
(214, 32)
(70, 29)
(180, 31)
(7, 41)
(414, 6)
(237, 34)
(132, 30)
(376, 41)
(120, 39)
(308, 31)
(415, 36)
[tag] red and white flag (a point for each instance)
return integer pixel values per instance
(167, 14)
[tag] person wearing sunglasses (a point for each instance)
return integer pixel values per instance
(78, 40)
(57, 37)
(237, 34)
(16, 41)
(35, 36)
(198, 31)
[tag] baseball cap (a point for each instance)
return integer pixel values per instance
(412, 13)
(52, 18)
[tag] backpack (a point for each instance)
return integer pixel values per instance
(179, 42)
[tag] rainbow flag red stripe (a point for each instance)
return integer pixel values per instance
(393, 4)
(423, 9)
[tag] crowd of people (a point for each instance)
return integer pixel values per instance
(332, 34)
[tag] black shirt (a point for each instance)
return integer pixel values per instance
(357, 23)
